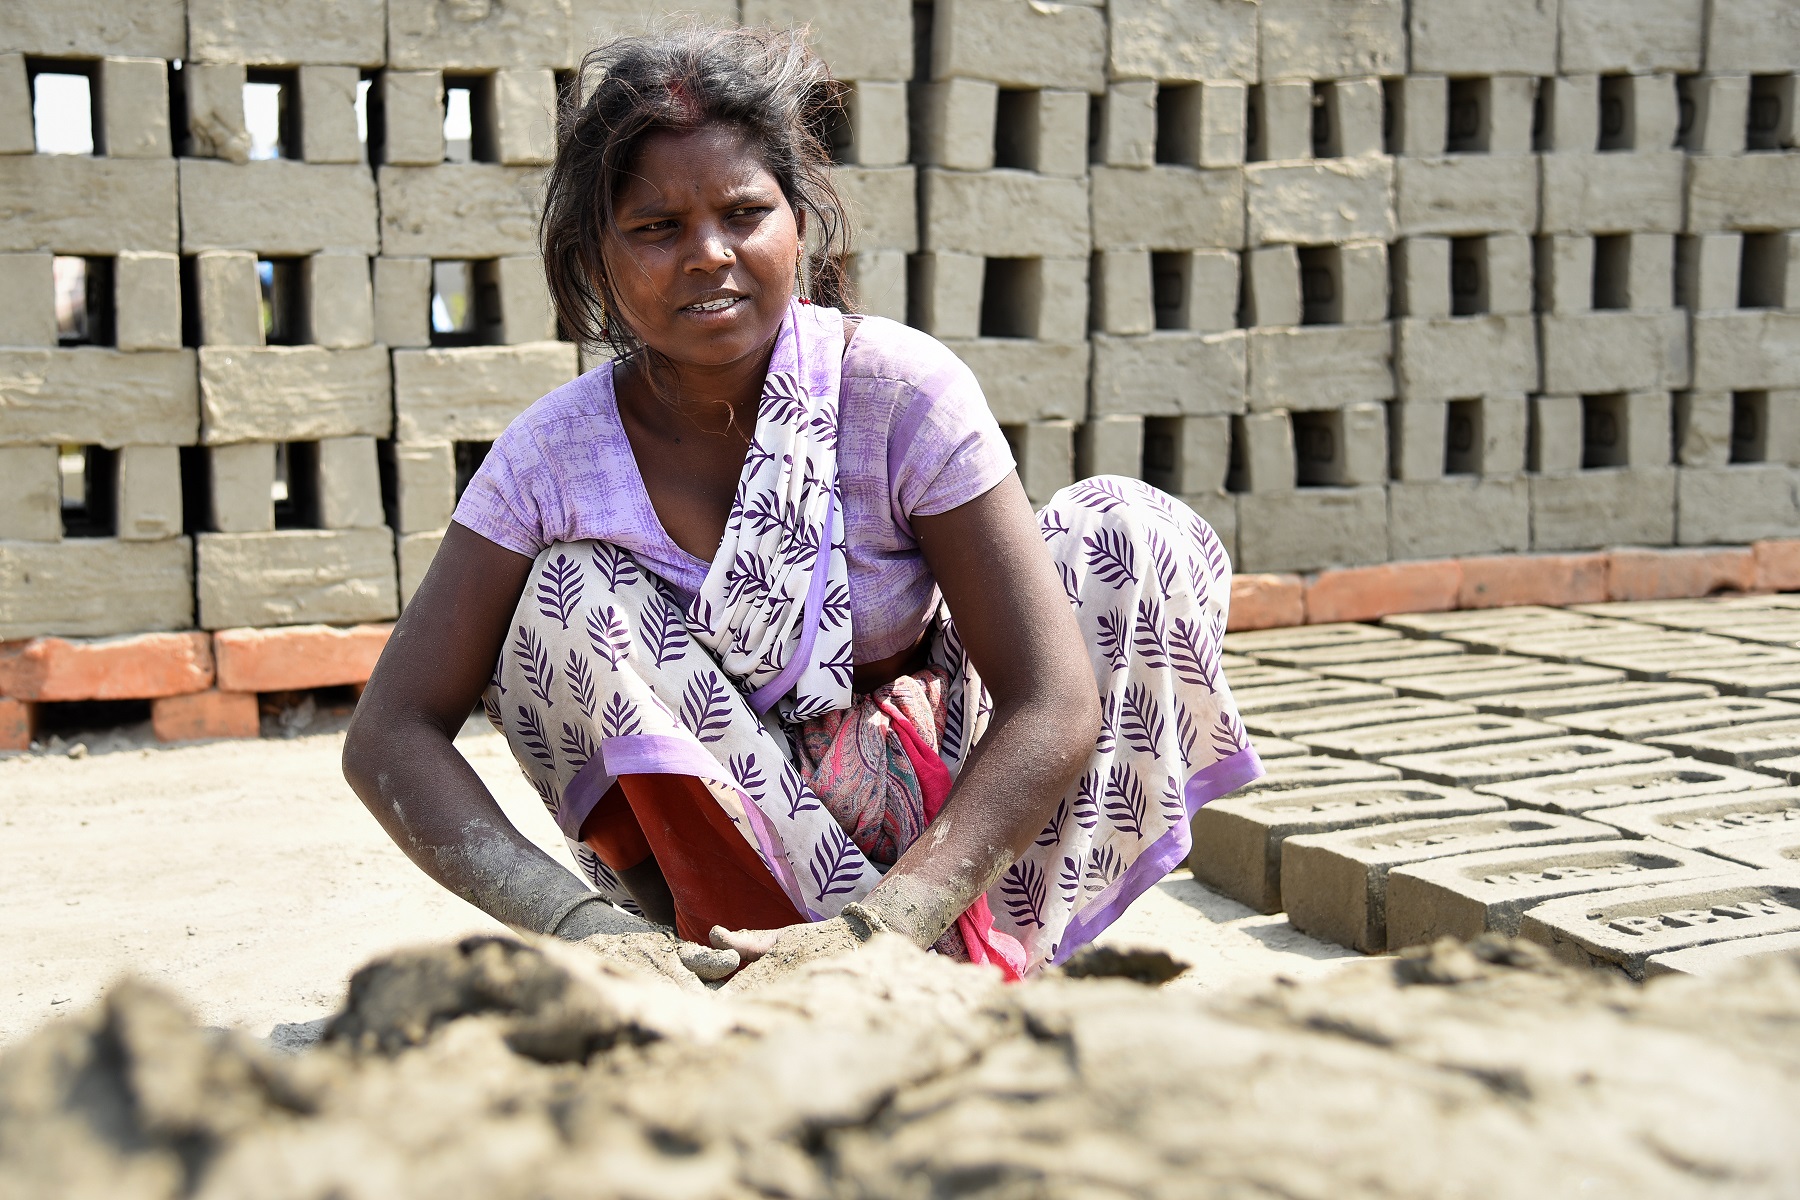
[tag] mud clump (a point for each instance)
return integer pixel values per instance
(497, 1068)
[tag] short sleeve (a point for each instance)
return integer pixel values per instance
(945, 448)
(504, 501)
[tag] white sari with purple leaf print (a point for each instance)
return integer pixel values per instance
(606, 672)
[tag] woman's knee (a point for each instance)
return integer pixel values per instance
(1133, 511)
(1126, 504)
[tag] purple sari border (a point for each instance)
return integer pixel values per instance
(775, 857)
(662, 754)
(659, 754)
(1164, 855)
(583, 793)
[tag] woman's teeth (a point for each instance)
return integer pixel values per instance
(719, 305)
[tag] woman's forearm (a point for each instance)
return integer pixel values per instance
(437, 810)
(1026, 761)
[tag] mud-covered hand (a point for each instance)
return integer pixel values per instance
(690, 965)
(768, 953)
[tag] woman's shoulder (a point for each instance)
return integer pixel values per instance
(579, 414)
(583, 400)
(884, 350)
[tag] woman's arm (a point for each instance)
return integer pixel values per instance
(399, 757)
(1021, 636)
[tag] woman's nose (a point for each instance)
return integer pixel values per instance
(711, 251)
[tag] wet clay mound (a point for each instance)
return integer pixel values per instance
(498, 1069)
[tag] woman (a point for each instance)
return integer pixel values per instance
(717, 576)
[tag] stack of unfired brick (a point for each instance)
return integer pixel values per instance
(1359, 280)
(1613, 781)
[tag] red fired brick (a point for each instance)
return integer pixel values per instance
(205, 715)
(1366, 593)
(297, 656)
(16, 721)
(140, 667)
(1679, 574)
(1505, 580)
(1777, 565)
(1266, 602)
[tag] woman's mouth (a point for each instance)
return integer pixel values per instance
(718, 305)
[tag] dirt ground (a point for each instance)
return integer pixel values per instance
(496, 1070)
(247, 878)
(246, 884)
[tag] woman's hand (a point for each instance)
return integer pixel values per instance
(661, 953)
(768, 953)
(748, 944)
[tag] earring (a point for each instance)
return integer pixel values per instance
(802, 284)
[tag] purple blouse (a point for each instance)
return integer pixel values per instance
(915, 437)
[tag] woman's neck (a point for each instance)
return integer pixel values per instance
(686, 399)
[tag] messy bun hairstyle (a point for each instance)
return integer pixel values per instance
(766, 83)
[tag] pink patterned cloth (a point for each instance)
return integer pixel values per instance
(856, 763)
(876, 768)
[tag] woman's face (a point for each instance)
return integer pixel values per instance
(704, 259)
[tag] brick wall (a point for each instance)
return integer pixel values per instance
(1360, 280)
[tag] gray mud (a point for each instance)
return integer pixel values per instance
(498, 1068)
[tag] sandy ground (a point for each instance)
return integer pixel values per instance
(248, 876)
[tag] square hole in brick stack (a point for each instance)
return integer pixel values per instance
(196, 490)
(1612, 272)
(1016, 129)
(470, 126)
(1466, 116)
(1616, 121)
(1256, 135)
(296, 489)
(1469, 277)
(1749, 427)
(1321, 286)
(465, 303)
(1762, 271)
(1603, 431)
(1687, 109)
(1237, 470)
(1170, 276)
(283, 285)
(90, 479)
(1326, 139)
(1392, 103)
(84, 300)
(365, 116)
(62, 107)
(1178, 124)
(1317, 448)
(272, 113)
(1770, 123)
(1462, 437)
(1541, 126)
(1011, 293)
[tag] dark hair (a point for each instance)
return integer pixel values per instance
(766, 83)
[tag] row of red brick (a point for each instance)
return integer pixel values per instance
(205, 685)
(1506, 580)
(199, 685)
